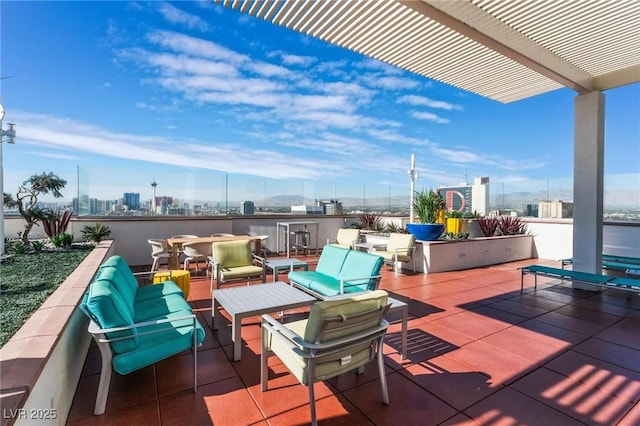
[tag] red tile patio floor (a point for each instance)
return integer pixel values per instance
(480, 352)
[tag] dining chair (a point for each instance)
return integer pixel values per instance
(159, 250)
(196, 252)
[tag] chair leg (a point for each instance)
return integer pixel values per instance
(154, 265)
(195, 356)
(105, 379)
(312, 397)
(383, 376)
(264, 358)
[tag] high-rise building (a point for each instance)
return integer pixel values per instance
(331, 207)
(247, 208)
(555, 209)
(131, 200)
(468, 198)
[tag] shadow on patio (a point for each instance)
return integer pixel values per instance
(479, 352)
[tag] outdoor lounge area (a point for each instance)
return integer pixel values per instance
(479, 352)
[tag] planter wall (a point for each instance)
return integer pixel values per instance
(42, 362)
(441, 256)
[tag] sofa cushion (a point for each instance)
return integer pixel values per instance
(127, 280)
(161, 307)
(240, 272)
(359, 265)
(321, 311)
(104, 304)
(121, 265)
(331, 260)
(113, 276)
(154, 347)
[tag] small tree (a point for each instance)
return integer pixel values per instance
(26, 199)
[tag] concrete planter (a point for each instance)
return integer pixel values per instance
(441, 256)
(42, 362)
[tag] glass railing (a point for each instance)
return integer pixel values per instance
(100, 191)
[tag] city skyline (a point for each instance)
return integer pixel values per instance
(181, 91)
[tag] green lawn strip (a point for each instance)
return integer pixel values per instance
(26, 280)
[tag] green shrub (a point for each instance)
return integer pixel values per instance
(63, 240)
(393, 227)
(38, 246)
(26, 280)
(95, 233)
(18, 247)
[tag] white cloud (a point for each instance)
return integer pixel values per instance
(293, 60)
(53, 155)
(424, 101)
(196, 47)
(456, 155)
(429, 116)
(389, 83)
(81, 138)
(176, 16)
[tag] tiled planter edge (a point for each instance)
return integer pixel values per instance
(40, 365)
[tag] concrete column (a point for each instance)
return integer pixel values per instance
(588, 184)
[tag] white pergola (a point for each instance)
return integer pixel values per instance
(502, 50)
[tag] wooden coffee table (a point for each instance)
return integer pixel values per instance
(246, 301)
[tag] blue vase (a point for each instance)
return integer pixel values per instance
(426, 231)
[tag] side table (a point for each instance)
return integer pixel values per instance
(278, 265)
(181, 277)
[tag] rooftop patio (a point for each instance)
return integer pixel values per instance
(479, 352)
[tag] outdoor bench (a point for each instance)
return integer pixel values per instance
(339, 271)
(609, 261)
(135, 326)
(605, 281)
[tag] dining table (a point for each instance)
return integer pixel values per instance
(176, 244)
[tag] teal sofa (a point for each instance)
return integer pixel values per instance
(135, 326)
(339, 271)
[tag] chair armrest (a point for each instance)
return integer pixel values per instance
(273, 325)
(94, 328)
(342, 282)
(307, 349)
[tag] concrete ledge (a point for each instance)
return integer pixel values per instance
(441, 256)
(41, 364)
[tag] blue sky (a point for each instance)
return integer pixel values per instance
(155, 89)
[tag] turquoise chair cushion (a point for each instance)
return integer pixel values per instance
(121, 265)
(331, 260)
(357, 265)
(105, 305)
(128, 284)
(171, 338)
(151, 292)
(113, 276)
(162, 307)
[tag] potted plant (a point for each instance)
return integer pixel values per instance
(429, 207)
(454, 219)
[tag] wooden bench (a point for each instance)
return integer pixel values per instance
(605, 281)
